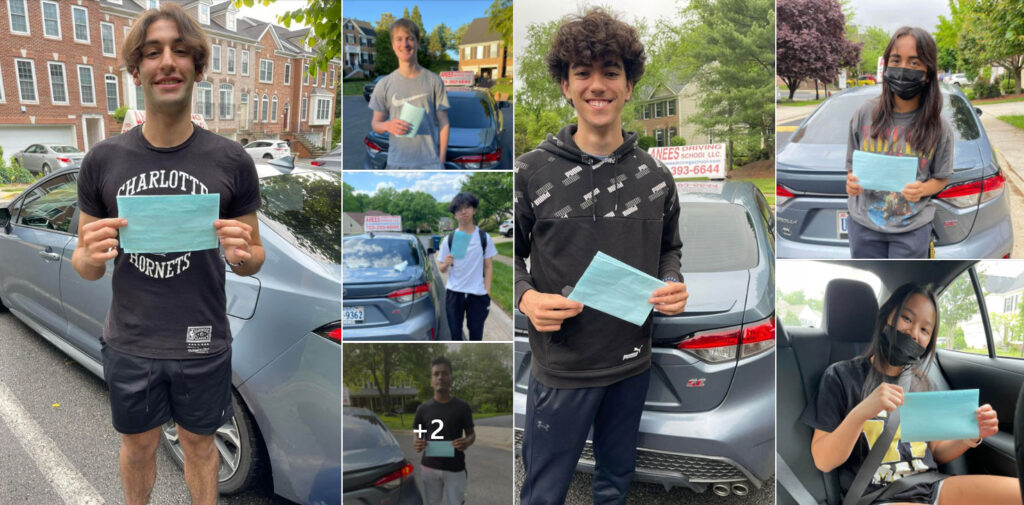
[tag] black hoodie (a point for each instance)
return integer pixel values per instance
(568, 206)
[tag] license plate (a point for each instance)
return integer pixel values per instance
(353, 315)
(841, 230)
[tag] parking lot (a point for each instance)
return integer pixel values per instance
(57, 445)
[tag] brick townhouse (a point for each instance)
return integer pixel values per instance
(360, 47)
(62, 75)
(480, 51)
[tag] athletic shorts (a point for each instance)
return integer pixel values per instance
(922, 493)
(146, 393)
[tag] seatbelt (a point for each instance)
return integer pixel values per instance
(874, 458)
(789, 481)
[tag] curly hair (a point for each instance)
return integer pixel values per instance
(595, 35)
(191, 33)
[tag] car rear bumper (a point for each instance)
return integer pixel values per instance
(417, 327)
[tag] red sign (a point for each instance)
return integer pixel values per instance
(705, 160)
(457, 78)
(382, 223)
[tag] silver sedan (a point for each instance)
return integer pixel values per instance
(46, 158)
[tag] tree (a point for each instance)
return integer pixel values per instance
(417, 208)
(540, 107)
(873, 40)
(440, 42)
(457, 37)
(993, 33)
(494, 190)
(482, 376)
(812, 41)
(499, 20)
(957, 304)
(385, 60)
(383, 365)
(324, 20)
(947, 35)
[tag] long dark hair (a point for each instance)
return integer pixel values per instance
(928, 125)
(896, 300)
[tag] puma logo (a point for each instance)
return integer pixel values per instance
(635, 353)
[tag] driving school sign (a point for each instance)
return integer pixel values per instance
(705, 160)
(457, 78)
(382, 223)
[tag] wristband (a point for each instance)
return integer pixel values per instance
(972, 443)
(230, 264)
(669, 279)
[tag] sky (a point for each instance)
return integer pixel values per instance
(269, 13)
(443, 186)
(450, 12)
(890, 15)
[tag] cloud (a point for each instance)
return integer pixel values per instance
(440, 184)
(383, 184)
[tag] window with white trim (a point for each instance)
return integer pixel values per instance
(231, 60)
(302, 109)
(26, 73)
(323, 79)
(266, 71)
(3, 97)
(204, 14)
(18, 14)
(140, 97)
(215, 57)
(80, 22)
(305, 74)
(245, 98)
(58, 83)
(287, 73)
(51, 20)
(226, 106)
(266, 105)
(479, 52)
(331, 83)
(255, 107)
(245, 62)
(204, 99)
(153, 4)
(273, 110)
(86, 89)
(107, 39)
(231, 21)
(110, 85)
(323, 110)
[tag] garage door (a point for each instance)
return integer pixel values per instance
(16, 138)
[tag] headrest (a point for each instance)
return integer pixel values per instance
(781, 337)
(850, 311)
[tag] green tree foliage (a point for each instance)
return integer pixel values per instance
(992, 33)
(540, 107)
(494, 190)
(482, 376)
(384, 365)
(947, 34)
(677, 141)
(457, 36)
(385, 60)
(324, 19)
(957, 304)
(440, 42)
(874, 40)
(499, 19)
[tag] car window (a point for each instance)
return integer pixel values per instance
(800, 289)
(378, 252)
(305, 209)
(469, 112)
(717, 237)
(960, 322)
(65, 149)
(32, 148)
(282, 144)
(365, 431)
(830, 123)
(766, 216)
(51, 205)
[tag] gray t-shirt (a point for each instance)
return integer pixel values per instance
(425, 90)
(886, 211)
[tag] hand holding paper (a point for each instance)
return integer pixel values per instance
(414, 116)
(671, 299)
(883, 172)
(99, 240)
(235, 236)
(988, 421)
(440, 449)
(617, 289)
(940, 415)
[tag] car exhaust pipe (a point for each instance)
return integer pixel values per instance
(740, 489)
(721, 489)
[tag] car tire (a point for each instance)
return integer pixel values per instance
(249, 454)
(268, 156)
(509, 234)
(957, 84)
(46, 169)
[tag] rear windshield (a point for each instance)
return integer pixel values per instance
(830, 123)
(363, 431)
(379, 252)
(469, 112)
(717, 237)
(304, 209)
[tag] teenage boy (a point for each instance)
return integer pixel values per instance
(411, 84)
(166, 341)
(469, 283)
(589, 188)
(448, 420)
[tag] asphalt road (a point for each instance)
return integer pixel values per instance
(67, 454)
(489, 468)
(357, 116)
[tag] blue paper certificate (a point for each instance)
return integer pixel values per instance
(882, 172)
(939, 415)
(616, 288)
(168, 223)
(440, 449)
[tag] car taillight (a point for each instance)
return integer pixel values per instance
(316, 163)
(396, 478)
(330, 331)
(476, 161)
(373, 147)
(782, 195)
(967, 194)
(717, 346)
(409, 294)
(64, 160)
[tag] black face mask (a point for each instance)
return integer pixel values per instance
(905, 82)
(898, 348)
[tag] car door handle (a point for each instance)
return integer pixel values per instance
(49, 256)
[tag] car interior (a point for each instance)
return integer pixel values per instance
(847, 323)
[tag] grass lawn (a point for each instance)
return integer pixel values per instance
(1017, 120)
(998, 100)
(767, 187)
(349, 88)
(503, 86)
(501, 286)
(404, 422)
(801, 103)
(504, 249)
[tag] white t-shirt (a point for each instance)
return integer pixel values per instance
(466, 275)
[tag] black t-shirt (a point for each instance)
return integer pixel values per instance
(838, 394)
(168, 306)
(457, 417)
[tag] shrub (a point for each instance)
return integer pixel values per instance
(984, 89)
(970, 93)
(1007, 86)
(677, 141)
(646, 142)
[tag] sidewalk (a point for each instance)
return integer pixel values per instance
(497, 327)
(785, 113)
(1008, 142)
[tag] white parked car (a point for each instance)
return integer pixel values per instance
(958, 80)
(506, 228)
(270, 149)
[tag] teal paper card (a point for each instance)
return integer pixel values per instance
(617, 289)
(168, 223)
(882, 172)
(939, 415)
(440, 449)
(460, 242)
(414, 116)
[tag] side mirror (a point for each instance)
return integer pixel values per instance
(5, 219)
(504, 104)
(977, 110)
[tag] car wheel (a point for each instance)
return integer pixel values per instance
(509, 234)
(46, 169)
(238, 443)
(957, 84)
(268, 156)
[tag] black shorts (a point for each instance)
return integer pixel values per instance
(146, 393)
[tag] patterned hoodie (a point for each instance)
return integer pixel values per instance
(568, 206)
